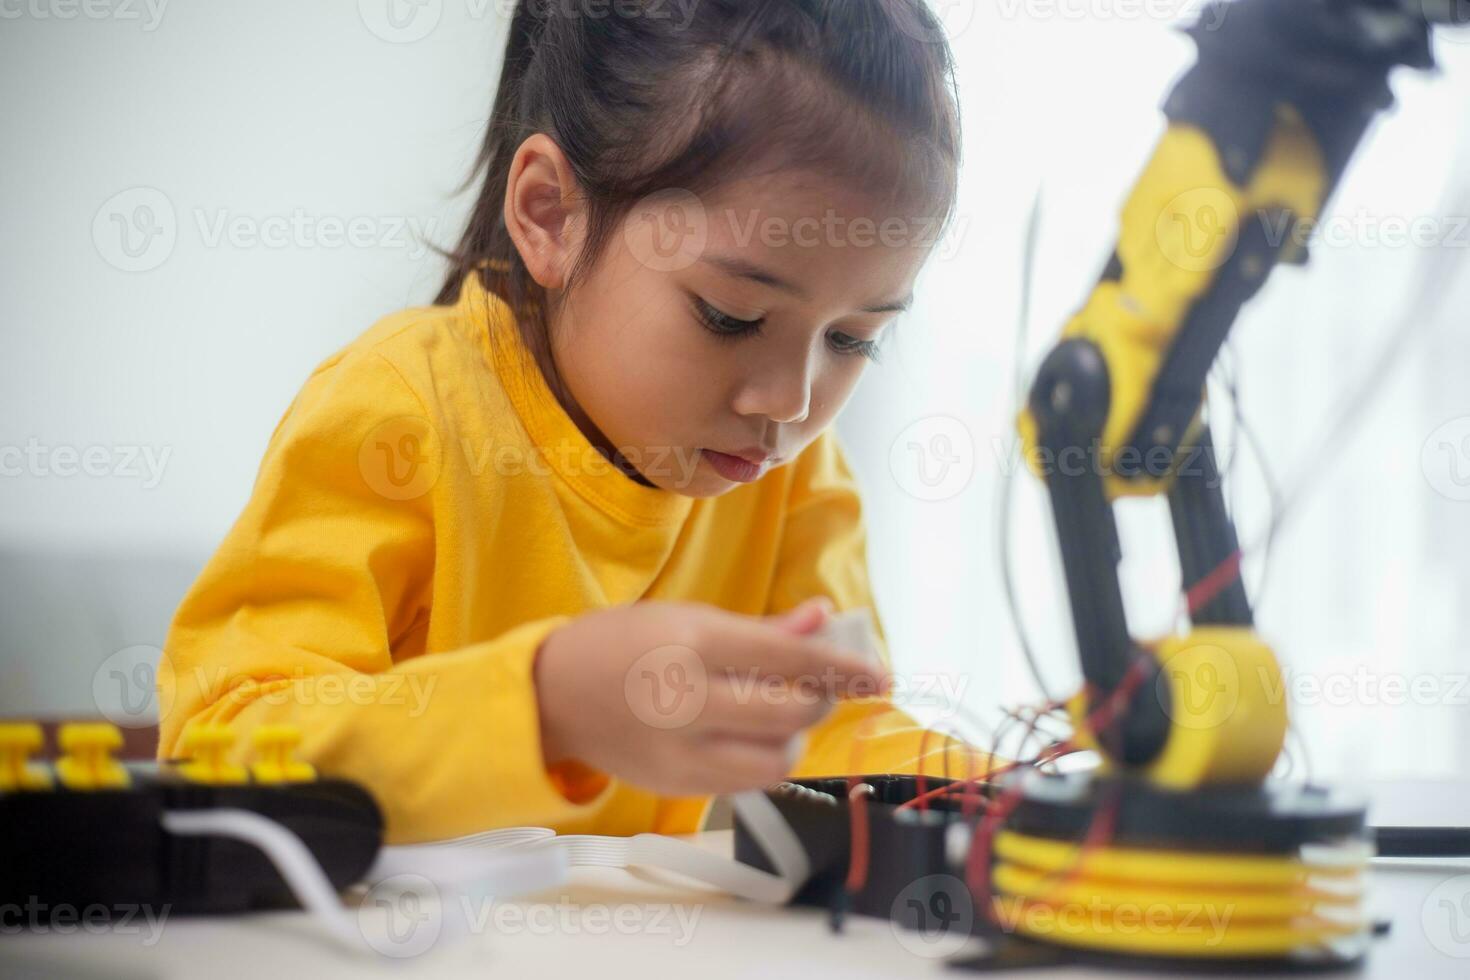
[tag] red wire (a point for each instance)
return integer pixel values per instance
(977, 866)
(971, 780)
(977, 871)
(1102, 716)
(970, 800)
(977, 863)
(1099, 831)
(921, 785)
(857, 867)
(967, 805)
(1219, 578)
(1052, 753)
(857, 805)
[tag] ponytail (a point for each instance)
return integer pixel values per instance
(485, 239)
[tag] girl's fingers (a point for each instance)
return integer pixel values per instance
(806, 618)
(732, 764)
(769, 707)
(742, 643)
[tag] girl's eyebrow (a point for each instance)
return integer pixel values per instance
(745, 269)
(897, 306)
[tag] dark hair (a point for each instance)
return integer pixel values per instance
(642, 102)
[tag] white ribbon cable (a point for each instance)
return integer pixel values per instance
(463, 859)
(445, 861)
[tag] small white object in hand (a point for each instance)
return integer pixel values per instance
(853, 630)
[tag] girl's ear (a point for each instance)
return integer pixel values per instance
(543, 210)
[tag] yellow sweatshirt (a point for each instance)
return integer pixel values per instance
(425, 514)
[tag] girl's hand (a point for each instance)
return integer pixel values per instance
(685, 699)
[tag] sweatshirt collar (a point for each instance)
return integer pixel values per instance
(565, 448)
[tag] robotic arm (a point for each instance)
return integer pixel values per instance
(1259, 133)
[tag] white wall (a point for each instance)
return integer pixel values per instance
(260, 116)
(162, 375)
(263, 113)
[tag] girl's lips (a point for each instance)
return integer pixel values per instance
(733, 468)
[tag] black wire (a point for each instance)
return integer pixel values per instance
(1003, 509)
(1243, 436)
(1273, 494)
(1422, 311)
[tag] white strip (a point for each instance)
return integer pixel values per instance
(765, 823)
(498, 871)
(453, 861)
(446, 861)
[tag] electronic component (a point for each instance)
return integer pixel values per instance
(1119, 865)
(1223, 877)
(94, 835)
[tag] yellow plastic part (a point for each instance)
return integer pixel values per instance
(208, 748)
(18, 741)
(275, 744)
(1179, 226)
(1245, 902)
(1261, 871)
(87, 762)
(1227, 710)
(1174, 903)
(1127, 929)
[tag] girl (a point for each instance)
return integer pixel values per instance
(552, 551)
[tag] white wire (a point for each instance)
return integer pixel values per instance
(302, 873)
(502, 873)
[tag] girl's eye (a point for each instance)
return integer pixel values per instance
(722, 324)
(845, 344)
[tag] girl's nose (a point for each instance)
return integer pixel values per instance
(782, 396)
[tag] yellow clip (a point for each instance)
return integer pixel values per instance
(276, 764)
(17, 741)
(207, 746)
(88, 763)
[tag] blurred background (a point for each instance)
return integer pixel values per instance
(202, 201)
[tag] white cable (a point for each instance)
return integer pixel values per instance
(504, 862)
(300, 870)
(457, 861)
(501, 871)
(762, 819)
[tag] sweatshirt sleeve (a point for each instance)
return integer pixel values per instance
(824, 552)
(327, 572)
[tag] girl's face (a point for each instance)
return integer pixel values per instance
(715, 338)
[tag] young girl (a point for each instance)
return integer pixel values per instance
(553, 551)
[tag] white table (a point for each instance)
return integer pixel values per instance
(609, 923)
